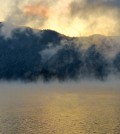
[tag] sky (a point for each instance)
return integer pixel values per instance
(69, 17)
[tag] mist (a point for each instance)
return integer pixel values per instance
(111, 84)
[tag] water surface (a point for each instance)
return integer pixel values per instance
(59, 109)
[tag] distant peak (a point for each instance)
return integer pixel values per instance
(97, 35)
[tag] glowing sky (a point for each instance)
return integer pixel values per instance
(69, 17)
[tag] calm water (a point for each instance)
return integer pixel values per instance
(72, 111)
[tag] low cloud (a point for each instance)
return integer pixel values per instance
(49, 52)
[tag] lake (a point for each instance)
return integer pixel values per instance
(59, 108)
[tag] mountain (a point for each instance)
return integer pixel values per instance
(45, 54)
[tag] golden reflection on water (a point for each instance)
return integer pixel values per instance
(60, 112)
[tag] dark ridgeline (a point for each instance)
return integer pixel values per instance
(49, 55)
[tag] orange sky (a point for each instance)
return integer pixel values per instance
(38, 10)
